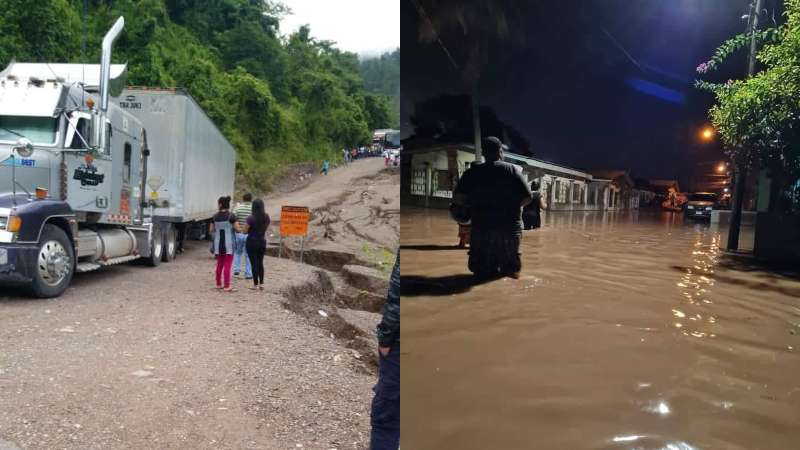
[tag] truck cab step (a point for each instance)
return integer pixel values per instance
(90, 266)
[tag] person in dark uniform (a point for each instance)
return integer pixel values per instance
(494, 193)
(532, 212)
(385, 417)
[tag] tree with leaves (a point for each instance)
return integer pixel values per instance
(465, 30)
(278, 99)
(758, 119)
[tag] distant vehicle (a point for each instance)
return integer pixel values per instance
(87, 181)
(700, 205)
(391, 140)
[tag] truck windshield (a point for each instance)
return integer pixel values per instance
(40, 130)
(392, 140)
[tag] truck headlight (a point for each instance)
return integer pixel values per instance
(708, 208)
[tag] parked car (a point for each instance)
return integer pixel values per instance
(700, 205)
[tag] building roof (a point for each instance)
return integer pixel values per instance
(663, 183)
(614, 174)
(431, 145)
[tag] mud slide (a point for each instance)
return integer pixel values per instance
(353, 236)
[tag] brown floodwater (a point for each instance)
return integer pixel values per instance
(626, 331)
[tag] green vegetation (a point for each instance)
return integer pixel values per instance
(382, 78)
(380, 256)
(758, 119)
(278, 99)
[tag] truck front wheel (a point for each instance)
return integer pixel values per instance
(55, 263)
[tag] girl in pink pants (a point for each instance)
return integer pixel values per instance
(224, 227)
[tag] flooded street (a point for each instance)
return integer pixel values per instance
(624, 332)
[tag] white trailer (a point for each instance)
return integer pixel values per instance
(191, 163)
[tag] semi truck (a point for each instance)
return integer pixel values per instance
(88, 182)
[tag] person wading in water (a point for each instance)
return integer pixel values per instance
(532, 212)
(494, 193)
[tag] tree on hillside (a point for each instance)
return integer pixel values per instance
(382, 77)
(278, 99)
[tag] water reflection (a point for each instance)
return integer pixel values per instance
(622, 326)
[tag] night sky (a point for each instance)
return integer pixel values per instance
(595, 83)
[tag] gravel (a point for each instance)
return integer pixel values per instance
(134, 357)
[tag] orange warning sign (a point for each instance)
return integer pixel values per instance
(294, 220)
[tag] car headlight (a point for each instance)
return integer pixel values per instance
(708, 208)
(690, 207)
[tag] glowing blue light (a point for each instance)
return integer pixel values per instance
(658, 91)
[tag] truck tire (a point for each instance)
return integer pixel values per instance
(55, 263)
(156, 247)
(170, 243)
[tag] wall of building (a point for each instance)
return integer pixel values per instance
(431, 181)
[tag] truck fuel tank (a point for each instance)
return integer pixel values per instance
(106, 244)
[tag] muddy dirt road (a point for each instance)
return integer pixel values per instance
(355, 209)
(136, 357)
(625, 331)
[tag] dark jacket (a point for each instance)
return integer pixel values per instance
(389, 329)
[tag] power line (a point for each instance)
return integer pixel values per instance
(424, 14)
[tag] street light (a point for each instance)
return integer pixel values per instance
(721, 168)
(707, 133)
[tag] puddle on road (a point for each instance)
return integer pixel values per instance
(625, 331)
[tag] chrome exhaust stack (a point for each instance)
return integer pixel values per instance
(105, 75)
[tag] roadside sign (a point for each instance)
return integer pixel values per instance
(294, 220)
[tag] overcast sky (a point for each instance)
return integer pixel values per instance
(361, 26)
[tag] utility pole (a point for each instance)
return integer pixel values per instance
(740, 170)
(476, 123)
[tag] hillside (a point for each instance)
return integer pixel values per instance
(279, 99)
(382, 77)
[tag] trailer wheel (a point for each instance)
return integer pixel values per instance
(55, 263)
(156, 247)
(170, 243)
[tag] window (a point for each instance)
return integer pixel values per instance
(126, 165)
(82, 128)
(576, 193)
(40, 130)
(107, 149)
(443, 182)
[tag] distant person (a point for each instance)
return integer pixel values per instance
(256, 228)
(385, 418)
(224, 227)
(354, 154)
(345, 156)
(242, 211)
(494, 193)
(386, 158)
(532, 212)
(325, 166)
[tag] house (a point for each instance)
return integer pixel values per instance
(430, 171)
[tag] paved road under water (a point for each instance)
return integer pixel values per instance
(624, 332)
